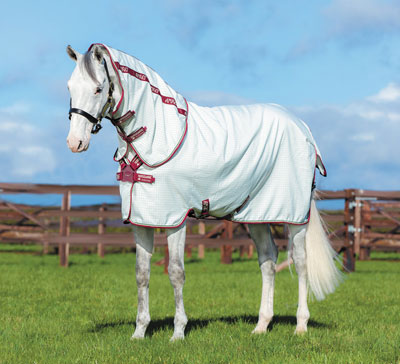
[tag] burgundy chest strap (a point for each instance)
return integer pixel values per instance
(128, 174)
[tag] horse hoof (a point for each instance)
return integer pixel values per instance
(136, 336)
(259, 330)
(176, 338)
(300, 330)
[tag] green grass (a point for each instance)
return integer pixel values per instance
(86, 314)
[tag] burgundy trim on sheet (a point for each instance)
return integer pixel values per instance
(130, 204)
(239, 222)
(155, 90)
(116, 152)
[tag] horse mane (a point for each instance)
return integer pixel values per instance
(88, 65)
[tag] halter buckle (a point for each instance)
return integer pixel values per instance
(96, 128)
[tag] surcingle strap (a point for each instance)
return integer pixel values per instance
(205, 208)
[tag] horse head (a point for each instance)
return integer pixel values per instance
(91, 89)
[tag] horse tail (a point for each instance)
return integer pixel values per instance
(322, 272)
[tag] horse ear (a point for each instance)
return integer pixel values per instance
(97, 53)
(72, 53)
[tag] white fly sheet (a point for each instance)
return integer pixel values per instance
(254, 163)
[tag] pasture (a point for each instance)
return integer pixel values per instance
(86, 314)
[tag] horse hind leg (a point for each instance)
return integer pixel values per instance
(144, 238)
(298, 235)
(176, 246)
(267, 256)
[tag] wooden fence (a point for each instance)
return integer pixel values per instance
(353, 230)
(373, 221)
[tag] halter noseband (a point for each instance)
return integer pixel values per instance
(106, 108)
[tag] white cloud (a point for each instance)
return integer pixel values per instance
(384, 105)
(390, 93)
(32, 160)
(359, 142)
(24, 149)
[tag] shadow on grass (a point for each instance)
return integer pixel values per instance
(196, 324)
(24, 252)
(234, 260)
(383, 259)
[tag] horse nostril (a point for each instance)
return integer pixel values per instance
(80, 144)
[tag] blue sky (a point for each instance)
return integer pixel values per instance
(334, 63)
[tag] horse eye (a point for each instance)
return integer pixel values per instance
(98, 90)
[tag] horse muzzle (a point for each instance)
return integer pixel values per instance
(76, 145)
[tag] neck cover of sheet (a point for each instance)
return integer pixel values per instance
(147, 99)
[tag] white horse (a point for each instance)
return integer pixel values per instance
(264, 173)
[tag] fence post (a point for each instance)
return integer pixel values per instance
(226, 250)
(45, 242)
(366, 223)
(357, 225)
(101, 229)
(349, 255)
(63, 248)
(250, 251)
(202, 231)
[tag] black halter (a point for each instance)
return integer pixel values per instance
(106, 108)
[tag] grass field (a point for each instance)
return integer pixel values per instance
(86, 313)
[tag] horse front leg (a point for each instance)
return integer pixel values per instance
(298, 236)
(176, 246)
(267, 256)
(144, 239)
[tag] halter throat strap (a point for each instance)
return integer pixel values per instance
(109, 105)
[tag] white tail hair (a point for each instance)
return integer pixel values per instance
(322, 272)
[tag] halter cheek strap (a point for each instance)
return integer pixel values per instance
(106, 108)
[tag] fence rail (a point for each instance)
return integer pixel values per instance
(369, 220)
